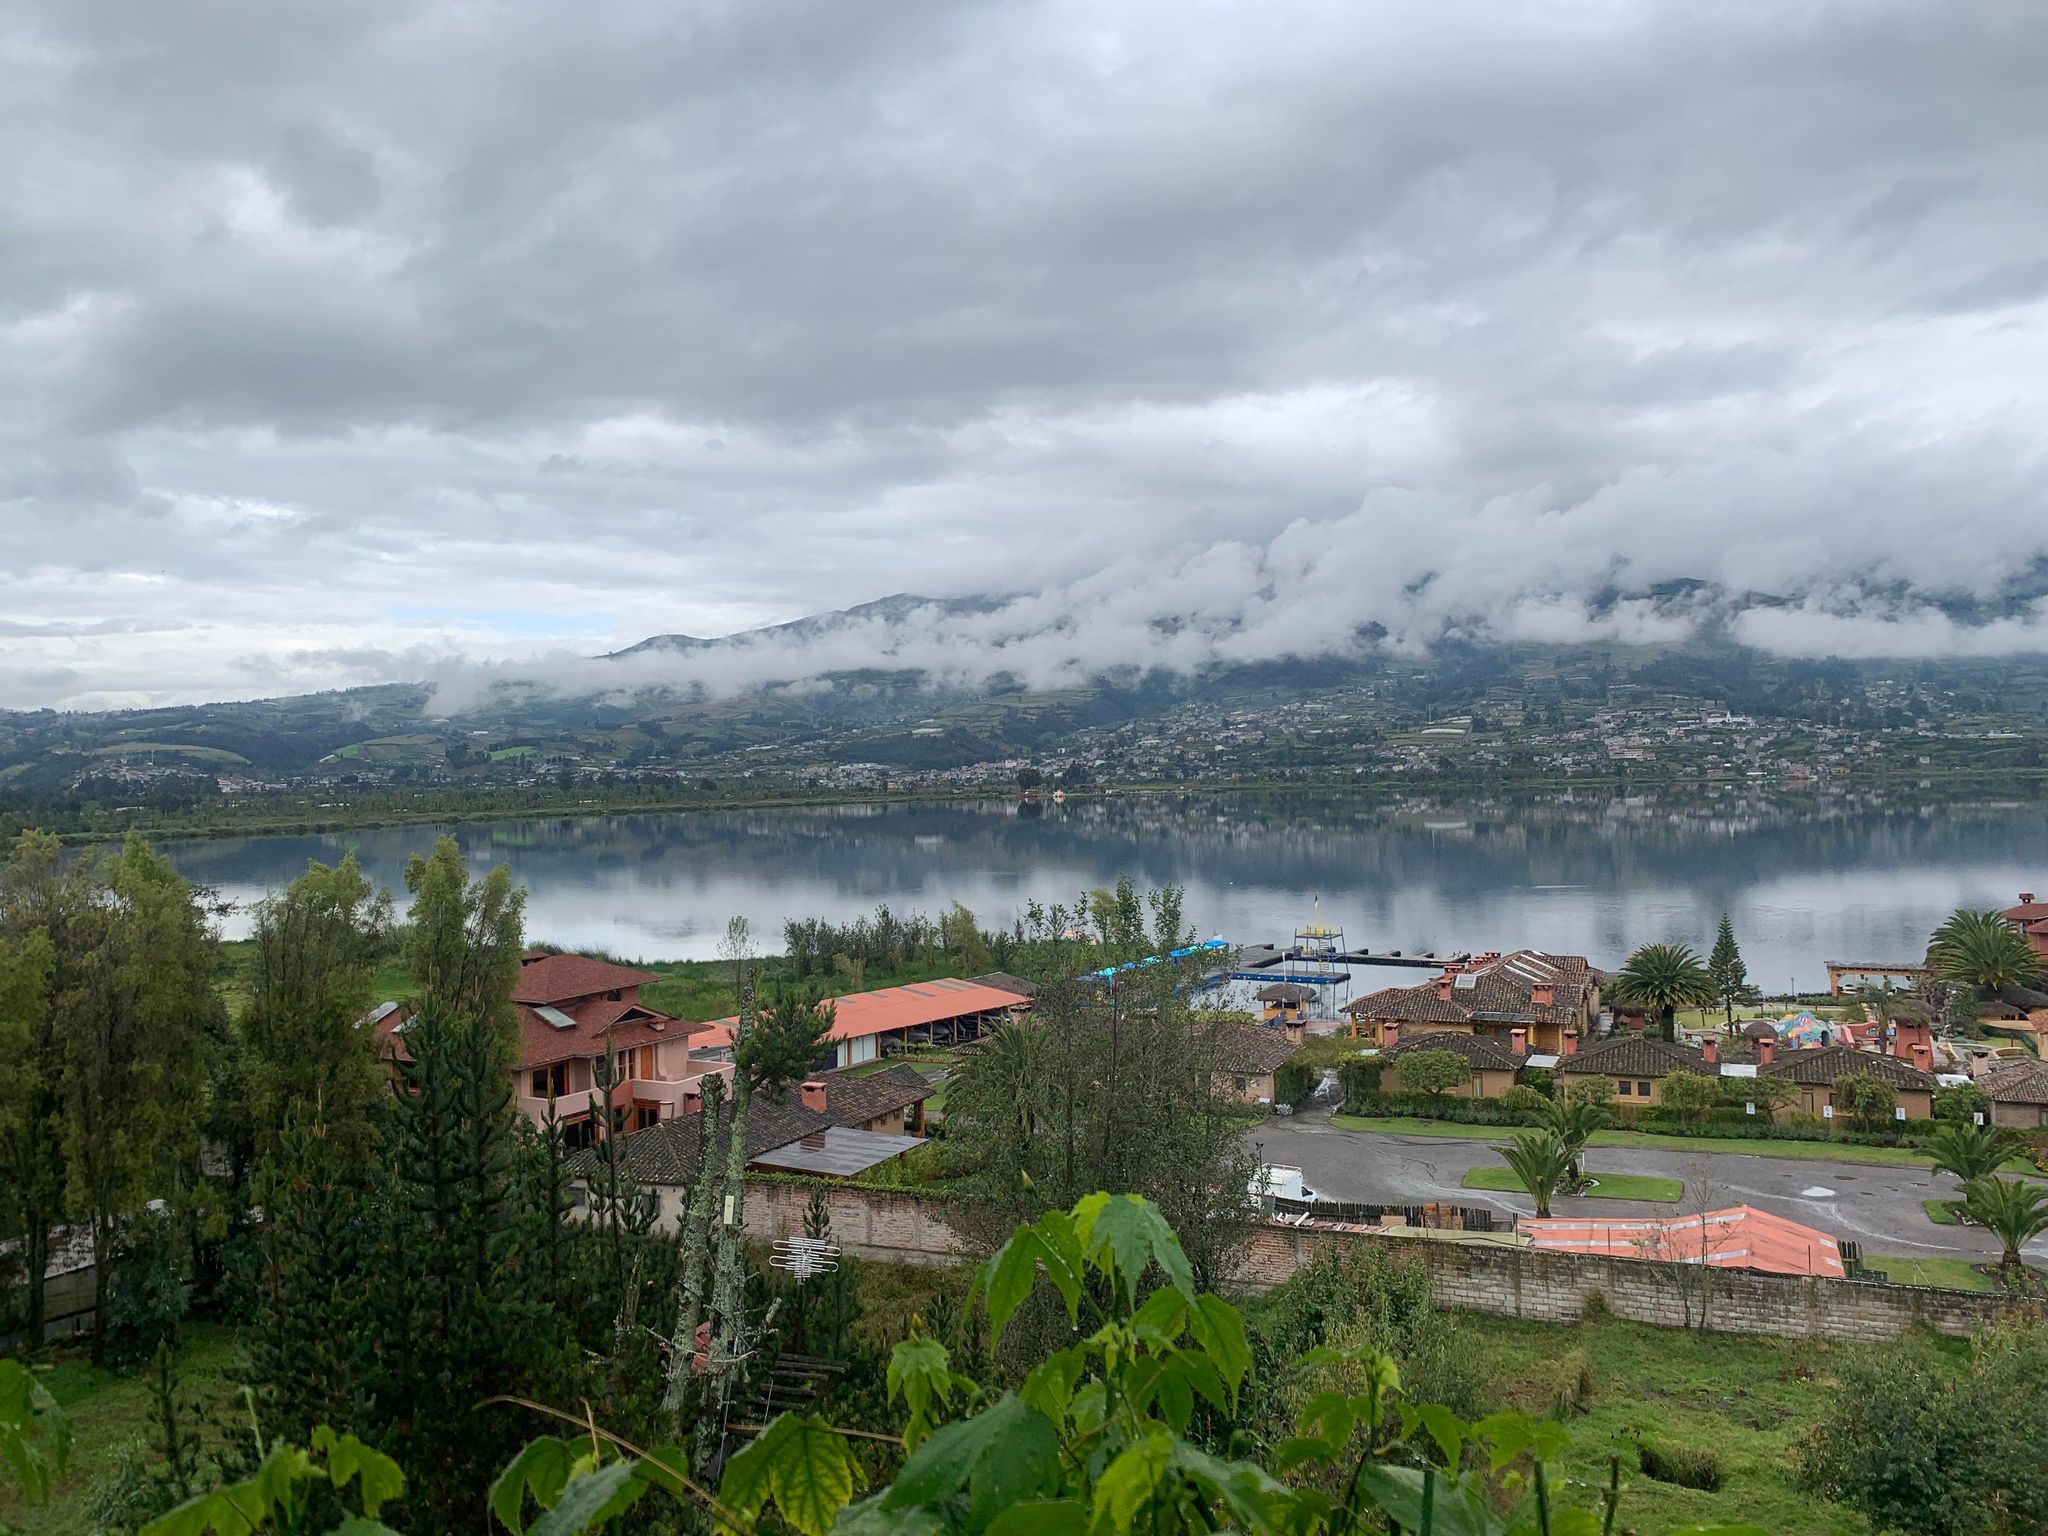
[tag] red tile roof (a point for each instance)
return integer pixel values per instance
(1501, 990)
(1741, 1237)
(563, 978)
(542, 1042)
(860, 1014)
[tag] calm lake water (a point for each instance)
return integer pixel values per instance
(1805, 883)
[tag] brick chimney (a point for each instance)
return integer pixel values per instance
(1518, 1040)
(1571, 1042)
(1390, 1034)
(1710, 1051)
(1540, 996)
(1923, 1056)
(2026, 898)
(1766, 1051)
(1443, 987)
(693, 1099)
(814, 1096)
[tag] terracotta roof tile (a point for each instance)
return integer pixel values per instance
(1500, 990)
(1633, 1055)
(2024, 1082)
(855, 1100)
(564, 978)
(1828, 1063)
(1482, 1053)
(919, 1003)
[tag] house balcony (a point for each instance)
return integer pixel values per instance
(668, 1092)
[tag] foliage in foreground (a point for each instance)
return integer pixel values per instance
(1118, 1432)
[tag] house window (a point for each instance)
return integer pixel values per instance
(555, 1078)
(1237, 1084)
(579, 1133)
(613, 995)
(1642, 1090)
(1625, 1088)
(646, 1115)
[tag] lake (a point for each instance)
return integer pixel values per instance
(1863, 879)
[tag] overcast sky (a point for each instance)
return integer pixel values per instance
(343, 342)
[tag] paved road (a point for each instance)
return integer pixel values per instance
(1877, 1207)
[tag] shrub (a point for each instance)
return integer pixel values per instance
(1432, 1072)
(1364, 1295)
(1688, 1466)
(148, 1297)
(1574, 1384)
(1961, 1104)
(1921, 1448)
(1525, 1102)
(1293, 1083)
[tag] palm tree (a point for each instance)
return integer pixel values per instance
(2011, 1210)
(1983, 951)
(1665, 978)
(1541, 1162)
(1970, 1152)
(1573, 1122)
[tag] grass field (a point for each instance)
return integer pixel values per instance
(1748, 1400)
(1941, 1212)
(1954, 1274)
(1607, 1186)
(108, 1414)
(1809, 1151)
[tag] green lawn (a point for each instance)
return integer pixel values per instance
(1941, 1212)
(1953, 1274)
(107, 1413)
(1607, 1186)
(1810, 1151)
(1748, 1400)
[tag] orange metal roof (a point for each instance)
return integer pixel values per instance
(907, 1007)
(1741, 1237)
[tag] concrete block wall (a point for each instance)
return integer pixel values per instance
(1559, 1288)
(906, 1228)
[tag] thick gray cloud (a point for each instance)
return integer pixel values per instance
(341, 343)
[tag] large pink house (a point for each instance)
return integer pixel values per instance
(567, 1007)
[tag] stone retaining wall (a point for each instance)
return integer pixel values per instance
(903, 1227)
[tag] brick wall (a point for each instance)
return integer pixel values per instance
(905, 1228)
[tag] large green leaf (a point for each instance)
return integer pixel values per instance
(919, 1374)
(1218, 1328)
(35, 1436)
(1046, 1517)
(543, 1466)
(593, 1499)
(1120, 1233)
(348, 1457)
(1457, 1507)
(358, 1525)
(1130, 1482)
(1000, 1456)
(802, 1466)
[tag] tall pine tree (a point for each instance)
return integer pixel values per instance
(1731, 976)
